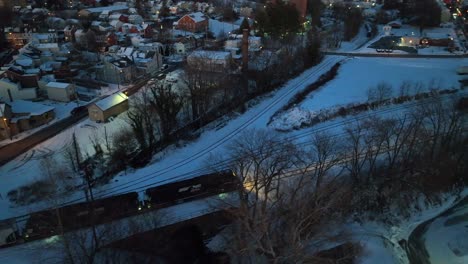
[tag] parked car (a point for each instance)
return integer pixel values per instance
(161, 76)
(78, 109)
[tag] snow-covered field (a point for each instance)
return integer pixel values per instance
(357, 75)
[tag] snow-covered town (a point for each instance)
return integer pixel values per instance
(233, 131)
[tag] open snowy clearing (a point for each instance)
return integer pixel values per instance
(357, 75)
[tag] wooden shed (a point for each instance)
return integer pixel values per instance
(108, 107)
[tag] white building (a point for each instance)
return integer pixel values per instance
(58, 91)
(14, 89)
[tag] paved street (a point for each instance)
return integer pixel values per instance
(13, 150)
(394, 55)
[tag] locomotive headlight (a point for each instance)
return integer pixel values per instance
(139, 208)
(26, 236)
(149, 206)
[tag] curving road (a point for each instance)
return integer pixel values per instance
(13, 150)
(441, 239)
(395, 55)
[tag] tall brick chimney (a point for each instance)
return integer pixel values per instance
(245, 49)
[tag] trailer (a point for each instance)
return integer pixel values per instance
(462, 70)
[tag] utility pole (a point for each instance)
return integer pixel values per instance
(88, 177)
(89, 192)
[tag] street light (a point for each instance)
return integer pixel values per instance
(7, 128)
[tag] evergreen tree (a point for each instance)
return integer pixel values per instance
(244, 25)
(278, 20)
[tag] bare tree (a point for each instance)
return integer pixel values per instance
(141, 118)
(167, 102)
(323, 155)
(380, 92)
(282, 216)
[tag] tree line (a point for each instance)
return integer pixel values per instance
(296, 196)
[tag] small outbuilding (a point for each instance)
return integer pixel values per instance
(59, 91)
(108, 107)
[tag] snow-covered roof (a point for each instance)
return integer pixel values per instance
(59, 85)
(24, 62)
(47, 46)
(111, 101)
(22, 106)
(108, 8)
(41, 36)
(197, 17)
(32, 71)
(114, 23)
(218, 27)
(211, 54)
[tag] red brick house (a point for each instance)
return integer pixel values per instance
(194, 22)
(111, 39)
(147, 31)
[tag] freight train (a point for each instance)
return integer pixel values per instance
(48, 223)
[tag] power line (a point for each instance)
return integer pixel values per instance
(144, 178)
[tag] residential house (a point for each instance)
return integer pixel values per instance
(27, 115)
(147, 30)
(116, 70)
(13, 90)
(119, 17)
(117, 24)
(95, 12)
(17, 39)
(179, 48)
(135, 19)
(147, 62)
(69, 32)
(59, 91)
(194, 22)
(50, 47)
(44, 37)
(110, 106)
(27, 80)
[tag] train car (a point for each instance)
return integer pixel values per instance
(194, 188)
(100, 211)
(51, 222)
